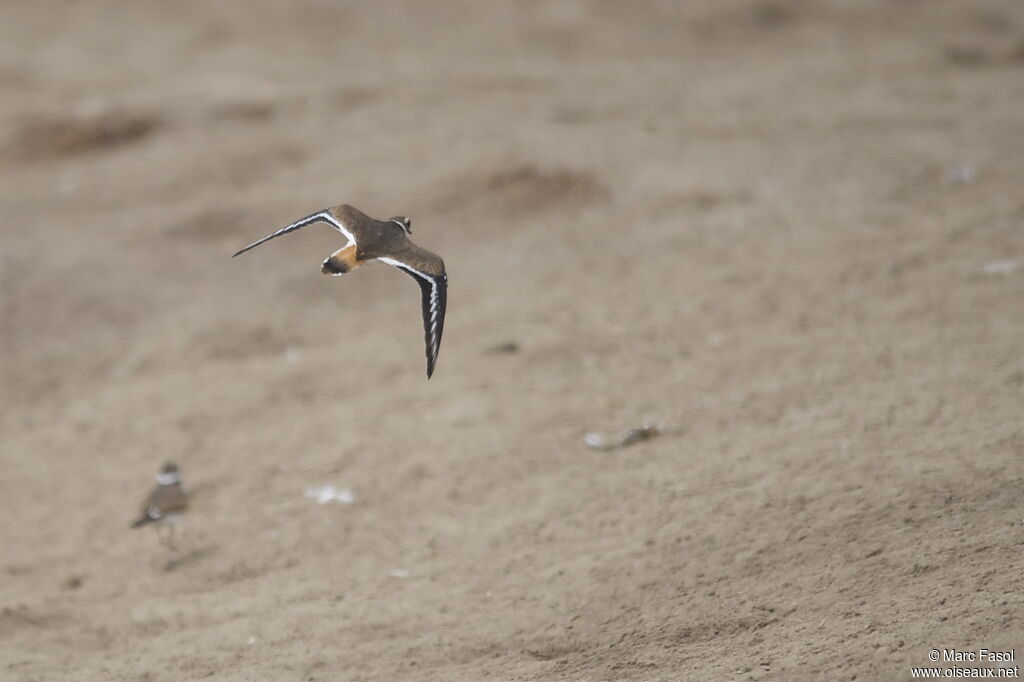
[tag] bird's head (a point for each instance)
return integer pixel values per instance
(403, 222)
(168, 474)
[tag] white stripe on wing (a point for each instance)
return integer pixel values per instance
(434, 302)
(318, 217)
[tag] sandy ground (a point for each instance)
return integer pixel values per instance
(784, 231)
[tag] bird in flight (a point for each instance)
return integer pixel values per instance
(388, 242)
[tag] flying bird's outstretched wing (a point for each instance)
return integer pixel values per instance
(428, 271)
(323, 216)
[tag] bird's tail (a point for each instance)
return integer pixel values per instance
(143, 521)
(341, 261)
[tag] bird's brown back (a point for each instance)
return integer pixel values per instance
(376, 238)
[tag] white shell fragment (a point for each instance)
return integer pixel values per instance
(292, 355)
(961, 174)
(998, 267)
(328, 493)
(629, 436)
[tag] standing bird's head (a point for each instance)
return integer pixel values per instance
(168, 474)
(403, 222)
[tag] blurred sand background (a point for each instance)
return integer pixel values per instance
(764, 224)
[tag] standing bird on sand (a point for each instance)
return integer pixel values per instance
(388, 242)
(166, 503)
